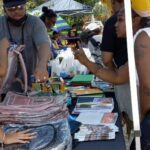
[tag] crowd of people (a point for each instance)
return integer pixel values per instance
(107, 45)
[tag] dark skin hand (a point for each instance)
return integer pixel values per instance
(118, 76)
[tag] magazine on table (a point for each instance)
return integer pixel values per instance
(94, 104)
(94, 118)
(99, 132)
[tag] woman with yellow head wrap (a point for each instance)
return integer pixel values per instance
(142, 58)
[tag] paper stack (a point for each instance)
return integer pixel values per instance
(96, 104)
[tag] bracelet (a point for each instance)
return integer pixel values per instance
(4, 135)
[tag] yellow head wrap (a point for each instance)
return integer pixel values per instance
(141, 7)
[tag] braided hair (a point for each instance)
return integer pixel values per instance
(47, 13)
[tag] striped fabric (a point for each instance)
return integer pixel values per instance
(61, 24)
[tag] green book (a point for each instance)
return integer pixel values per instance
(82, 79)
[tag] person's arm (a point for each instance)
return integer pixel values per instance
(21, 137)
(42, 42)
(119, 76)
(142, 58)
(4, 44)
(41, 72)
(107, 58)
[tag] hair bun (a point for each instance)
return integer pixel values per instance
(44, 9)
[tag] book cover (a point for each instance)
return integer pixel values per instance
(97, 118)
(82, 79)
(91, 133)
(91, 104)
(88, 91)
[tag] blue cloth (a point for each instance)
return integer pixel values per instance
(46, 135)
(49, 136)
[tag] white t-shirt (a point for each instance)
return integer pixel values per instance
(147, 31)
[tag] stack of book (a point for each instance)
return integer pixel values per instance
(93, 104)
(94, 118)
(82, 79)
(87, 91)
(98, 121)
(96, 132)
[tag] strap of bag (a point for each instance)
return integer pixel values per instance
(95, 43)
(24, 70)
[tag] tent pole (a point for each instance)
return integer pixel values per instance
(132, 72)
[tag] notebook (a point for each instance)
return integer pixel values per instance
(89, 91)
(82, 79)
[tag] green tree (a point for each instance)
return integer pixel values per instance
(31, 4)
(88, 2)
(100, 11)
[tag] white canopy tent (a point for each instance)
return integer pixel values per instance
(65, 7)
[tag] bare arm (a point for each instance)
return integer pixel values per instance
(119, 76)
(4, 44)
(42, 42)
(41, 72)
(107, 58)
(142, 57)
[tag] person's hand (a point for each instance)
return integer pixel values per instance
(21, 137)
(20, 48)
(80, 55)
(41, 74)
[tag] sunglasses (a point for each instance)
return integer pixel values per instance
(14, 8)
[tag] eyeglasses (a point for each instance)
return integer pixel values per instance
(14, 8)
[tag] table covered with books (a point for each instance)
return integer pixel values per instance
(117, 144)
(93, 111)
(96, 136)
